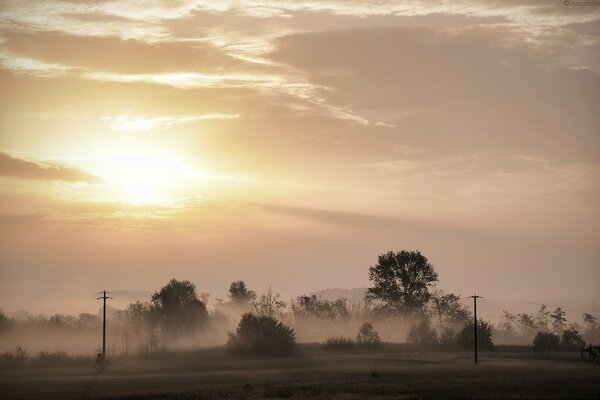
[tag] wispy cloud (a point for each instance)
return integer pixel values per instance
(33, 66)
(136, 123)
(188, 80)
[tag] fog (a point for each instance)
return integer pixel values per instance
(134, 330)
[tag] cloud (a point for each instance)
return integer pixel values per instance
(19, 168)
(135, 123)
(125, 56)
(475, 91)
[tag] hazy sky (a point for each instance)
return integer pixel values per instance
(289, 143)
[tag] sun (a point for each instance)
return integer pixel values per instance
(142, 178)
(142, 191)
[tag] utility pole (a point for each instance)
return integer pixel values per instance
(104, 297)
(475, 297)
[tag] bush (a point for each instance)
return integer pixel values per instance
(422, 334)
(545, 342)
(262, 334)
(484, 335)
(367, 336)
(340, 343)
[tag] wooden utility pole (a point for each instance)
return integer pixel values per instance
(104, 297)
(475, 297)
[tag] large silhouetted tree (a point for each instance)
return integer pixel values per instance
(178, 308)
(402, 281)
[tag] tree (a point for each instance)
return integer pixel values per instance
(559, 320)
(312, 306)
(484, 335)
(448, 337)
(87, 321)
(239, 293)
(178, 308)
(402, 281)
(367, 336)
(448, 309)
(545, 342)
(142, 324)
(268, 304)
(5, 322)
(263, 334)
(542, 320)
(571, 338)
(526, 324)
(507, 322)
(590, 320)
(422, 334)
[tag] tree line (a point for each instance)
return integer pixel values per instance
(403, 289)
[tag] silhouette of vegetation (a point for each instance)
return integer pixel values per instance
(340, 343)
(559, 320)
(311, 306)
(402, 282)
(447, 308)
(5, 322)
(368, 337)
(448, 338)
(262, 334)
(545, 342)
(178, 308)
(484, 335)
(239, 294)
(422, 334)
(403, 303)
(571, 339)
(269, 304)
(590, 320)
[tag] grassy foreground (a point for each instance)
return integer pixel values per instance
(313, 374)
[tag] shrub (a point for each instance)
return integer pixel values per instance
(484, 335)
(339, 343)
(262, 334)
(422, 334)
(367, 336)
(545, 341)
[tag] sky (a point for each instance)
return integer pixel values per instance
(288, 143)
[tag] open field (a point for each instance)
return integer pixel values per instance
(315, 375)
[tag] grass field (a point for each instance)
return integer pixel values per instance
(313, 374)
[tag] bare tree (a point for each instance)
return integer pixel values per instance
(268, 304)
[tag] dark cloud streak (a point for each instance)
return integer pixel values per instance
(19, 168)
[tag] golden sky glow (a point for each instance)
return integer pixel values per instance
(288, 143)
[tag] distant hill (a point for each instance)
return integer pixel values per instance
(355, 295)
